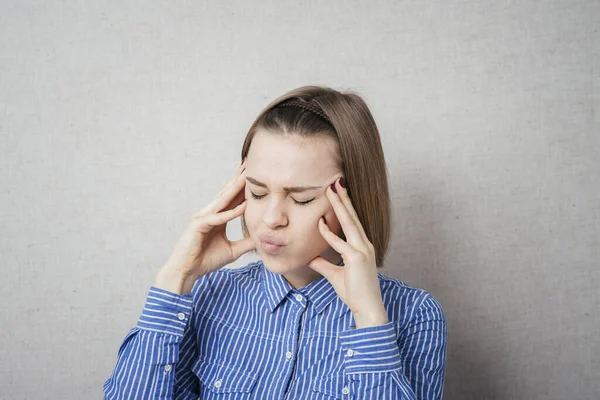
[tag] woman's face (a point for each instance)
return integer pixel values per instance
(306, 167)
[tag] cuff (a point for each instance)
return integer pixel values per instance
(371, 350)
(165, 312)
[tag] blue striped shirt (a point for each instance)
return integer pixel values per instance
(247, 334)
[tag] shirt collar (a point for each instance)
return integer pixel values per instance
(275, 288)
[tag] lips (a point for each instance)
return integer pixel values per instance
(269, 239)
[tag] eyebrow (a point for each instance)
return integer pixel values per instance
(294, 189)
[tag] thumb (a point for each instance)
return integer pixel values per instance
(241, 247)
(323, 267)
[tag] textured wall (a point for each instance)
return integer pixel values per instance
(119, 119)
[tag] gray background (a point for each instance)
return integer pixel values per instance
(119, 119)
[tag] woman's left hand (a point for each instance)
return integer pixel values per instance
(356, 283)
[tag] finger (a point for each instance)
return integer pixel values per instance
(242, 247)
(226, 187)
(343, 194)
(226, 199)
(233, 178)
(334, 240)
(237, 200)
(349, 227)
(212, 207)
(325, 268)
(224, 217)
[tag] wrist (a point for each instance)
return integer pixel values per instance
(174, 281)
(375, 316)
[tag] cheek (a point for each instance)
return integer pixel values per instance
(332, 221)
(251, 214)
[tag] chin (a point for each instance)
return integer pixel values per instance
(277, 265)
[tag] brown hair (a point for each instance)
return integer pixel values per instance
(350, 123)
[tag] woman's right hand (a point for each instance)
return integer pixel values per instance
(204, 246)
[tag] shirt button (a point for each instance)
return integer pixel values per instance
(345, 391)
(299, 297)
(181, 316)
(168, 368)
(350, 353)
(288, 355)
(218, 383)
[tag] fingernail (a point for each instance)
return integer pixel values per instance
(342, 183)
(333, 187)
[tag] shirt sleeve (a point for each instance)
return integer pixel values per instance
(154, 360)
(379, 363)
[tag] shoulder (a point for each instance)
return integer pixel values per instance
(408, 302)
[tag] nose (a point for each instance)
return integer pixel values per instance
(274, 214)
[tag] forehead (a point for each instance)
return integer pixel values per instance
(283, 160)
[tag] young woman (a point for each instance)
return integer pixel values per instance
(313, 318)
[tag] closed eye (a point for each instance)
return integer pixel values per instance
(301, 203)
